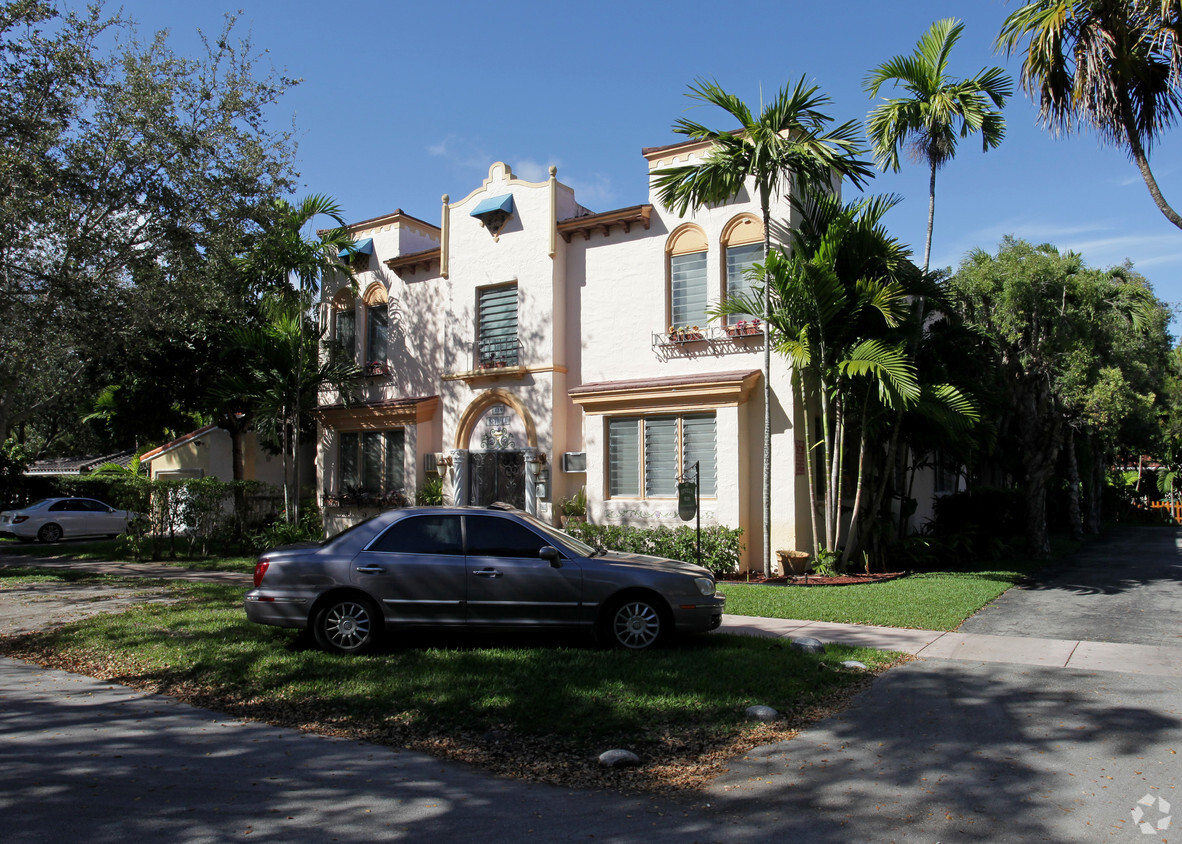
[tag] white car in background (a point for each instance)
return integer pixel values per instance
(51, 519)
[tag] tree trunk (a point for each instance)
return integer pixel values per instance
(1094, 478)
(1038, 541)
(1074, 514)
(1137, 153)
(927, 247)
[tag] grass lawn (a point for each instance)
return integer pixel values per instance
(930, 601)
(536, 708)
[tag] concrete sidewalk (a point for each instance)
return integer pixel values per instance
(972, 647)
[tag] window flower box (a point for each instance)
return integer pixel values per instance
(744, 328)
(375, 368)
(685, 334)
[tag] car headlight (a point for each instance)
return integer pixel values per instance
(705, 585)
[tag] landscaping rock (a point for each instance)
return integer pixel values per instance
(762, 713)
(853, 663)
(618, 759)
(808, 645)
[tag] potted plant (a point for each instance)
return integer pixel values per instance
(574, 507)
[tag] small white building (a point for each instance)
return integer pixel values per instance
(525, 347)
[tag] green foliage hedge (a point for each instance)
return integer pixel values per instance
(721, 546)
(191, 517)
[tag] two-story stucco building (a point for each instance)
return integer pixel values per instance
(525, 347)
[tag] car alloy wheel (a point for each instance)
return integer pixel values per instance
(635, 624)
(49, 533)
(348, 626)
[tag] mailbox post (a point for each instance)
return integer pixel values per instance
(689, 504)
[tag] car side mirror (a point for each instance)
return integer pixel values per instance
(550, 553)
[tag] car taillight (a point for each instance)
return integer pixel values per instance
(260, 569)
(16, 520)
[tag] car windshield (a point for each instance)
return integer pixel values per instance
(39, 505)
(560, 539)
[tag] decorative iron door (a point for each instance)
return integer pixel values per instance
(497, 476)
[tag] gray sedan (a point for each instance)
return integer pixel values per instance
(468, 567)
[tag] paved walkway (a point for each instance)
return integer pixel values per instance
(973, 647)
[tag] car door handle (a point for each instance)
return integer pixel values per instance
(370, 569)
(487, 573)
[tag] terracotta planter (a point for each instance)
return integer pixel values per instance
(793, 562)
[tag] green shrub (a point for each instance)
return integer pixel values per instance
(721, 546)
(430, 494)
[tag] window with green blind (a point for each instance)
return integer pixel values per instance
(497, 325)
(740, 259)
(650, 453)
(373, 462)
(687, 290)
(623, 448)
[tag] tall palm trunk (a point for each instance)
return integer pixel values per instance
(927, 245)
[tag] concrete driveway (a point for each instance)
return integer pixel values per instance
(936, 750)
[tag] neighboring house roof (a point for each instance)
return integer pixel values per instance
(79, 465)
(148, 456)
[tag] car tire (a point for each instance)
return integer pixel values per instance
(635, 623)
(50, 533)
(348, 625)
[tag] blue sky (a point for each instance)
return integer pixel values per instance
(402, 102)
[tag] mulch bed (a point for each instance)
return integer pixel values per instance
(850, 579)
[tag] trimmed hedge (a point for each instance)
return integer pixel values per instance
(721, 546)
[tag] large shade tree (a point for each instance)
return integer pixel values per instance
(787, 148)
(937, 110)
(1112, 65)
(130, 176)
(1071, 342)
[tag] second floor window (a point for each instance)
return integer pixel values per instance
(496, 329)
(687, 289)
(346, 332)
(740, 259)
(377, 318)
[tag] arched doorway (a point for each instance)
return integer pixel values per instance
(494, 437)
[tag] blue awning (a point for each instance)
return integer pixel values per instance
(364, 247)
(495, 203)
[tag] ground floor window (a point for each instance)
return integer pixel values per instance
(647, 454)
(372, 462)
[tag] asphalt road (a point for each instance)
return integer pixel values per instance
(936, 750)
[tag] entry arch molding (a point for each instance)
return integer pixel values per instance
(475, 410)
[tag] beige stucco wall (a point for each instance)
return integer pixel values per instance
(588, 312)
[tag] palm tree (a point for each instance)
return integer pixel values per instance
(281, 375)
(788, 146)
(1115, 65)
(937, 110)
(288, 262)
(831, 305)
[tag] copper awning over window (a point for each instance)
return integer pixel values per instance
(684, 392)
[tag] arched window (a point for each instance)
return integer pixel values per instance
(742, 248)
(686, 251)
(344, 323)
(377, 325)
